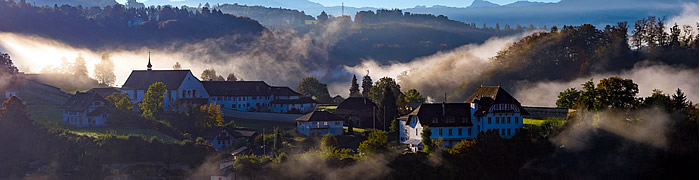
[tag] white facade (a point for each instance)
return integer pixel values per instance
(82, 119)
(499, 117)
(320, 128)
(190, 87)
(243, 103)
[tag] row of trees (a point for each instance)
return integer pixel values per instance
(117, 24)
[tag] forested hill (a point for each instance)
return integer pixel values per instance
(268, 16)
(119, 26)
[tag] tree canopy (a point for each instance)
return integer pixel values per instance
(152, 102)
(310, 86)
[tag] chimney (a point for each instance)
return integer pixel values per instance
(443, 109)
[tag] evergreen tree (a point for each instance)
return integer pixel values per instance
(388, 109)
(354, 88)
(177, 66)
(366, 85)
(679, 100)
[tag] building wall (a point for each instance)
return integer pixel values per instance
(242, 103)
(506, 129)
(189, 88)
(311, 128)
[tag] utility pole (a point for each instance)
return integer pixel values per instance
(384, 124)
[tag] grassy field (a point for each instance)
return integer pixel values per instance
(326, 107)
(539, 122)
(106, 131)
(46, 114)
(359, 130)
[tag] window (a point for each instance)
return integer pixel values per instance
(255, 97)
(516, 120)
(503, 132)
(325, 123)
(194, 93)
(464, 119)
(233, 106)
(489, 120)
(449, 132)
(469, 131)
(451, 119)
(417, 131)
(508, 131)
(435, 120)
(459, 131)
(498, 119)
(508, 120)
(440, 129)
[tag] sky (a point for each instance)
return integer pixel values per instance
(396, 3)
(411, 3)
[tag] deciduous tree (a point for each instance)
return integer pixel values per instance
(152, 102)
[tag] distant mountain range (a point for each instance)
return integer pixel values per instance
(565, 12)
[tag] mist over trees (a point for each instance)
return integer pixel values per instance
(578, 51)
(104, 71)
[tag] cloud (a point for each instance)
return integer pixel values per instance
(443, 71)
(647, 76)
(647, 126)
(280, 57)
(689, 16)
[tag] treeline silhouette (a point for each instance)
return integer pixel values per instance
(577, 51)
(117, 25)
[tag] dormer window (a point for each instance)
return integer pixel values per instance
(451, 119)
(435, 120)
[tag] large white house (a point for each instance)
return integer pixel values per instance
(319, 123)
(181, 86)
(489, 108)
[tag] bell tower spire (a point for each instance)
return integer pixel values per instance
(149, 66)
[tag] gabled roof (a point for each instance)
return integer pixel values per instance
(461, 112)
(235, 133)
(356, 106)
(486, 96)
(354, 103)
(237, 88)
(142, 79)
(104, 92)
(320, 116)
(284, 91)
(81, 101)
(301, 100)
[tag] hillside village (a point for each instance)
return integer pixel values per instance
(228, 106)
(68, 122)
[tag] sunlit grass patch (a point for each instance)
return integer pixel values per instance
(539, 122)
(97, 132)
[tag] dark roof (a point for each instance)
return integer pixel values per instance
(486, 96)
(284, 91)
(237, 88)
(320, 116)
(356, 103)
(442, 111)
(301, 100)
(235, 133)
(104, 92)
(81, 101)
(142, 79)
(356, 106)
